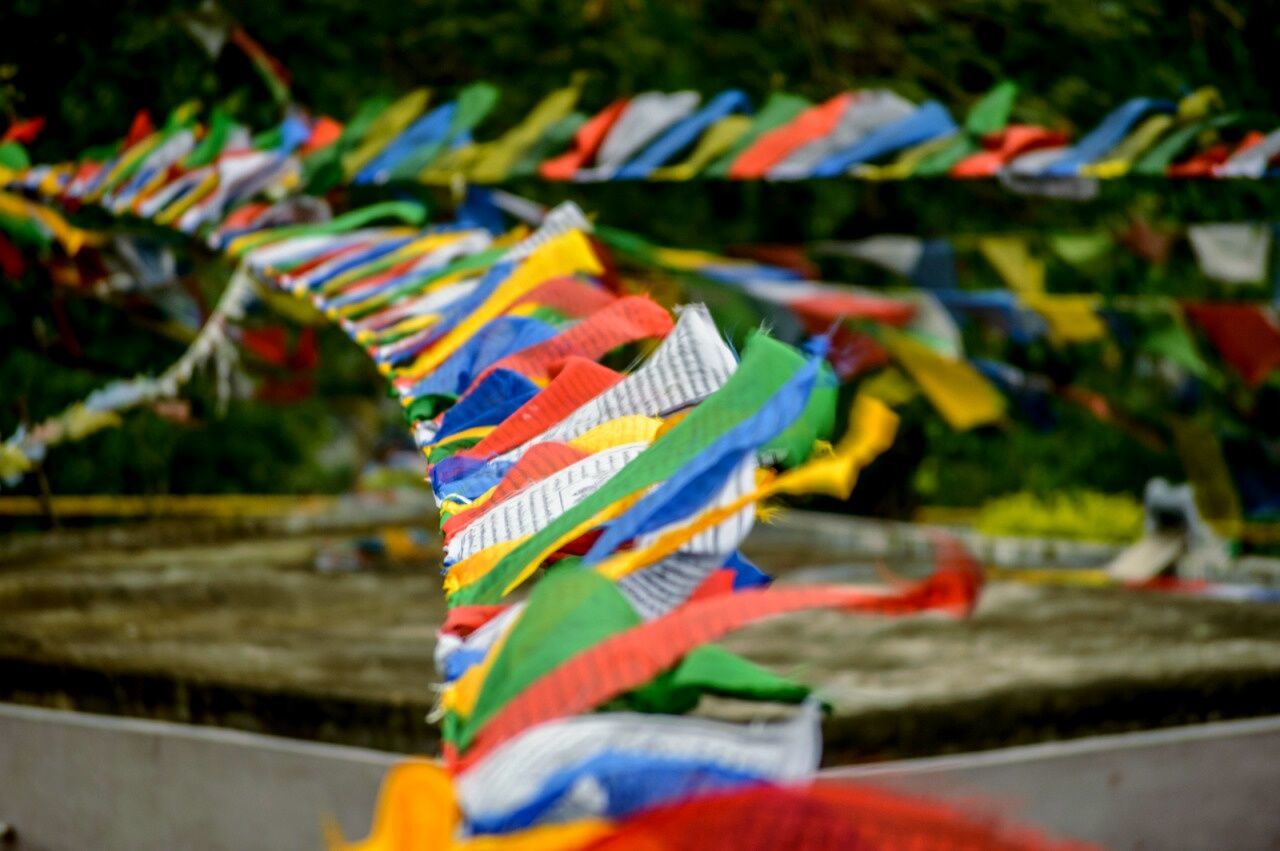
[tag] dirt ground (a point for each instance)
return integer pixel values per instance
(174, 621)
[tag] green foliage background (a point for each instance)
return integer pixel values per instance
(89, 66)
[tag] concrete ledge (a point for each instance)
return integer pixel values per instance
(1208, 786)
(74, 781)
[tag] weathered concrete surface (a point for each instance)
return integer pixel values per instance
(238, 633)
(246, 634)
(1033, 663)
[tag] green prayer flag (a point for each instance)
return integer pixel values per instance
(1168, 337)
(991, 113)
(1084, 251)
(1156, 161)
(940, 162)
(215, 139)
(444, 450)
(13, 155)
(794, 445)
(268, 140)
(710, 669)
(570, 610)
(25, 231)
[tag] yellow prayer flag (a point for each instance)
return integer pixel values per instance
(497, 158)
(50, 183)
(1206, 466)
(471, 568)
(718, 140)
(71, 238)
(960, 393)
(905, 164)
(418, 809)
(617, 432)
(1199, 104)
(1018, 268)
(461, 695)
(890, 386)
(1071, 318)
(389, 124)
(13, 461)
(79, 422)
(567, 254)
(1118, 161)
(451, 166)
(182, 203)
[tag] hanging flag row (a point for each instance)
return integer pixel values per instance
(1239, 256)
(626, 491)
(871, 134)
(917, 332)
(920, 329)
(212, 346)
(907, 343)
(1246, 334)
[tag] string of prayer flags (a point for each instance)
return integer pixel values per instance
(629, 492)
(860, 115)
(875, 134)
(418, 808)
(102, 408)
(766, 366)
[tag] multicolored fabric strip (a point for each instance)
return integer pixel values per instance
(869, 133)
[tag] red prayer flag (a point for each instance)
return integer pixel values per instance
(629, 659)
(828, 815)
(579, 381)
(625, 321)
(773, 147)
(11, 262)
(140, 128)
(1002, 147)
(1245, 336)
(25, 131)
(586, 142)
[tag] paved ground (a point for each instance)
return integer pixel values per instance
(182, 622)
